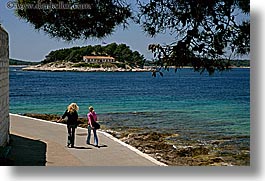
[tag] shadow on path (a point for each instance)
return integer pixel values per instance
(27, 152)
(82, 148)
(99, 146)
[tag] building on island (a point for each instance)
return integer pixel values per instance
(98, 59)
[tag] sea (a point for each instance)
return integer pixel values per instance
(196, 106)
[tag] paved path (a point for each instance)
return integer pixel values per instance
(39, 142)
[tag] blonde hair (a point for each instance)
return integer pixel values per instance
(72, 107)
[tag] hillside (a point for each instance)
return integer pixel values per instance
(240, 63)
(21, 62)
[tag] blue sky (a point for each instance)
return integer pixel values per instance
(26, 43)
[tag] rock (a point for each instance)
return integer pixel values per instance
(147, 151)
(70, 66)
(217, 159)
(152, 136)
(191, 151)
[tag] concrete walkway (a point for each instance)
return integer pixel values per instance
(39, 142)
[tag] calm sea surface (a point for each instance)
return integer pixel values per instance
(199, 106)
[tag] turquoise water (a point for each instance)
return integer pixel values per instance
(196, 105)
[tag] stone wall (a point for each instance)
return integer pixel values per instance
(4, 88)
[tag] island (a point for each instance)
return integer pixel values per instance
(109, 58)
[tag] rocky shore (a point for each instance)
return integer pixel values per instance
(169, 149)
(70, 66)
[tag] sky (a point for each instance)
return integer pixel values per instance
(26, 43)
(29, 44)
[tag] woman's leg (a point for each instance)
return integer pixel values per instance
(88, 134)
(73, 136)
(95, 137)
(69, 136)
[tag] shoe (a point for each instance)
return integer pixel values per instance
(72, 146)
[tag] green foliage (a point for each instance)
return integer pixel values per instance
(122, 53)
(95, 65)
(121, 65)
(81, 19)
(61, 54)
(107, 65)
(205, 31)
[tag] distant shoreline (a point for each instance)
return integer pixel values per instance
(18, 65)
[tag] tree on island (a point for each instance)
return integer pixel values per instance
(121, 52)
(206, 32)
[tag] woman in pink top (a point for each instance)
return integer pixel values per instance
(92, 117)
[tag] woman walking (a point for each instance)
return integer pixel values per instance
(72, 116)
(92, 125)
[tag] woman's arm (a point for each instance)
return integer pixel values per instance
(64, 115)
